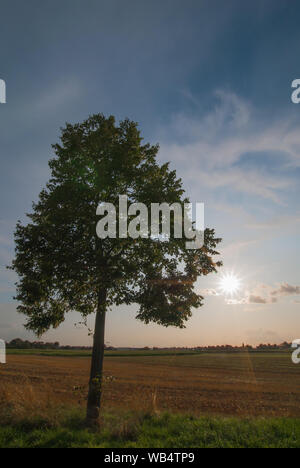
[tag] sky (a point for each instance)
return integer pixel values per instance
(211, 83)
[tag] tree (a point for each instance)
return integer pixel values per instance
(63, 265)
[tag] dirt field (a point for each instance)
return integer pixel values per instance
(254, 384)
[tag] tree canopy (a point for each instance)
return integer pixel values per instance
(63, 265)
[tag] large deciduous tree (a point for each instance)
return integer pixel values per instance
(64, 266)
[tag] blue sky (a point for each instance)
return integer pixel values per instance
(211, 82)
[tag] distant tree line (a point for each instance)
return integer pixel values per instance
(18, 343)
(245, 347)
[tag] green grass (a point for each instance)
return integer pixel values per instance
(149, 431)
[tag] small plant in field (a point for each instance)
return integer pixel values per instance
(80, 391)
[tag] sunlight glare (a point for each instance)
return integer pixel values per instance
(230, 284)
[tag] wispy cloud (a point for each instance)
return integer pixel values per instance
(286, 289)
(265, 294)
(209, 292)
(214, 143)
(251, 299)
(288, 220)
(57, 96)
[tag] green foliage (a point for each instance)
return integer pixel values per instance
(149, 431)
(62, 264)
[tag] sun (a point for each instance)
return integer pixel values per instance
(230, 284)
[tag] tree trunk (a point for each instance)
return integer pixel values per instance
(95, 384)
